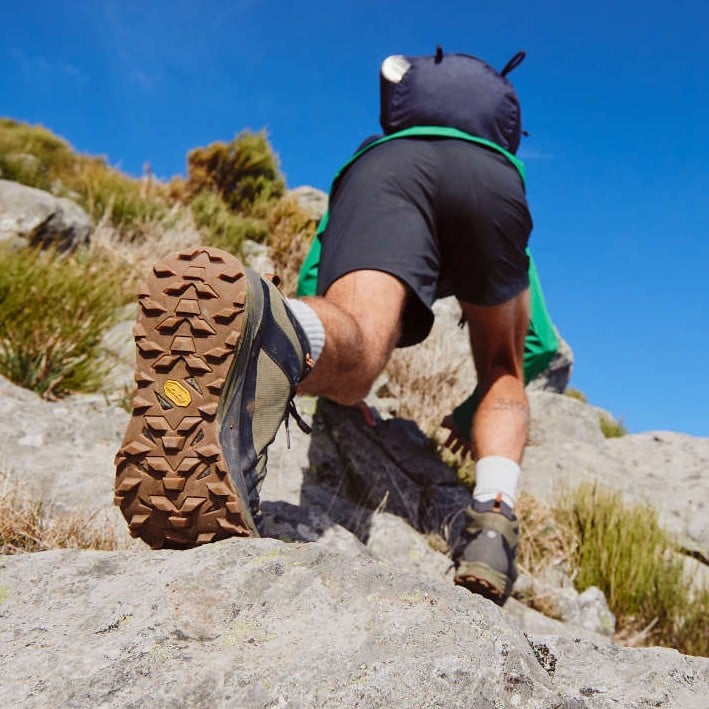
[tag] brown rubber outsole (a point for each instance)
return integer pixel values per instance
(172, 481)
(481, 587)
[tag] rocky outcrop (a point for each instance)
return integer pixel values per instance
(391, 466)
(666, 470)
(351, 600)
(348, 604)
(311, 199)
(265, 623)
(556, 376)
(29, 216)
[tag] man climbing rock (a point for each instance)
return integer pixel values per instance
(435, 207)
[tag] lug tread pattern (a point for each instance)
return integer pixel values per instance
(172, 480)
(482, 587)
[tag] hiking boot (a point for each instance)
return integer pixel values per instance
(485, 561)
(218, 359)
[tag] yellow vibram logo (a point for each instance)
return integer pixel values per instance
(177, 394)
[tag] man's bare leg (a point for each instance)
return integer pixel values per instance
(486, 563)
(361, 315)
(497, 337)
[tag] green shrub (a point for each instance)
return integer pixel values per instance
(624, 552)
(612, 428)
(222, 228)
(243, 172)
(36, 157)
(108, 193)
(53, 314)
(33, 155)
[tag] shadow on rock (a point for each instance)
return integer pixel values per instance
(357, 469)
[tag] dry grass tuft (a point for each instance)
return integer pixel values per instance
(543, 542)
(244, 172)
(291, 230)
(29, 525)
(172, 233)
(623, 551)
(576, 394)
(610, 427)
(423, 394)
(222, 227)
(542, 538)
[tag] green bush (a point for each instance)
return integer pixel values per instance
(53, 314)
(126, 202)
(222, 228)
(33, 155)
(624, 552)
(243, 172)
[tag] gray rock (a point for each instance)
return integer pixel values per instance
(62, 452)
(263, 623)
(29, 216)
(391, 539)
(253, 623)
(130, 625)
(559, 420)
(257, 256)
(391, 467)
(588, 609)
(312, 200)
(660, 468)
(556, 376)
(605, 675)
(533, 622)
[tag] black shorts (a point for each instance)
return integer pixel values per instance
(445, 216)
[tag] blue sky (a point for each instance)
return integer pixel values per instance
(615, 96)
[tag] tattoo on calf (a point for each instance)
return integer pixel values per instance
(515, 407)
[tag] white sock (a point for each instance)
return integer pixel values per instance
(311, 324)
(496, 475)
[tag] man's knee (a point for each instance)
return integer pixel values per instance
(351, 391)
(361, 313)
(375, 299)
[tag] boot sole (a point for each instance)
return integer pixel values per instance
(481, 587)
(172, 479)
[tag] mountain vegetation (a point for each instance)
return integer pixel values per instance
(56, 308)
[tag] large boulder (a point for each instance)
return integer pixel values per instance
(261, 623)
(352, 601)
(29, 216)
